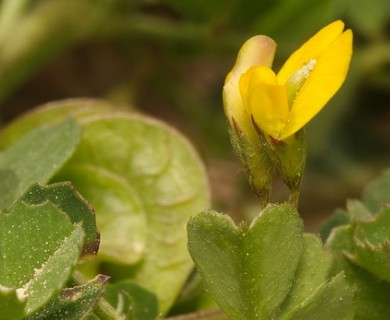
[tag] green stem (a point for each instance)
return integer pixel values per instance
(294, 196)
(106, 312)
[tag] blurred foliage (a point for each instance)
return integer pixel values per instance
(169, 58)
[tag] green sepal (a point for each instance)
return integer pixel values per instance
(290, 155)
(255, 160)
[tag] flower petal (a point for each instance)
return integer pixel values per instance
(310, 50)
(265, 100)
(257, 51)
(323, 82)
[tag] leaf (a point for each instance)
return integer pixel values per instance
(55, 270)
(144, 181)
(372, 295)
(141, 303)
(35, 158)
(73, 303)
(121, 216)
(68, 200)
(377, 193)
(357, 210)
(338, 218)
(375, 231)
(38, 268)
(333, 301)
(372, 245)
(248, 271)
(12, 303)
(311, 274)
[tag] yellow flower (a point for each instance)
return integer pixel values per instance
(282, 104)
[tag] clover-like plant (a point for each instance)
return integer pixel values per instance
(271, 269)
(99, 209)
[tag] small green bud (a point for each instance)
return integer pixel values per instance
(255, 159)
(290, 155)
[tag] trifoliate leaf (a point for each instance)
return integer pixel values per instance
(248, 270)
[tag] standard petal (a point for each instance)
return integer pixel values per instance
(326, 78)
(257, 51)
(310, 50)
(265, 100)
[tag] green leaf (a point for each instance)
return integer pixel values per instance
(143, 179)
(121, 217)
(357, 210)
(372, 295)
(55, 271)
(68, 200)
(73, 303)
(375, 231)
(338, 218)
(372, 245)
(248, 271)
(35, 158)
(38, 268)
(12, 303)
(165, 183)
(332, 301)
(375, 197)
(132, 300)
(312, 273)
(377, 193)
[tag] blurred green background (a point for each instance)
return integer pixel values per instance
(169, 58)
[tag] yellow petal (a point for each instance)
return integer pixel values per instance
(323, 82)
(310, 50)
(250, 79)
(265, 100)
(257, 51)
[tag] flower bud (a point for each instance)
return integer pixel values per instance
(257, 51)
(258, 165)
(291, 159)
